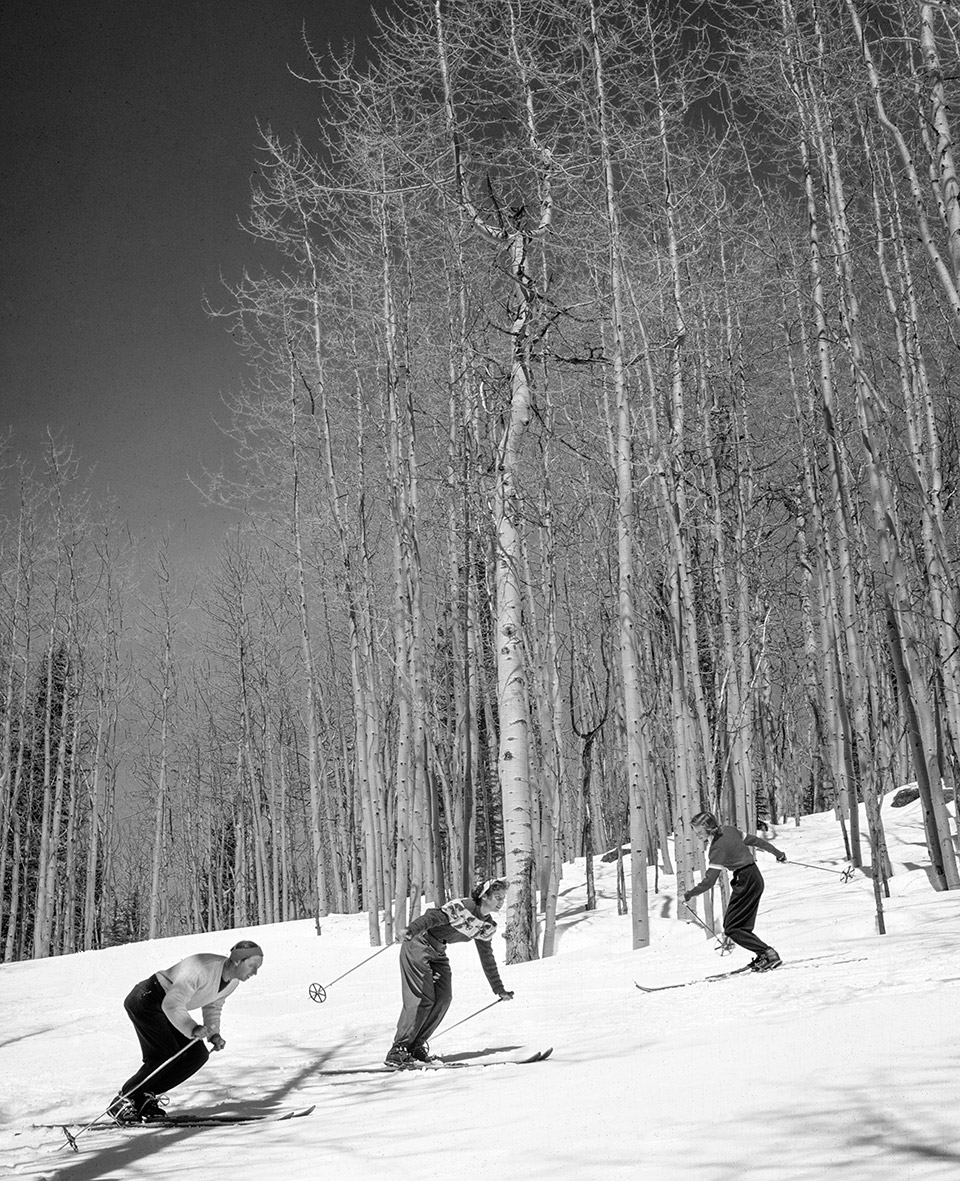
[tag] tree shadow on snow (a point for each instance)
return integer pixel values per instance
(850, 1138)
(10, 1041)
(927, 869)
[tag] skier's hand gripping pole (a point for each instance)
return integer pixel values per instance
(723, 943)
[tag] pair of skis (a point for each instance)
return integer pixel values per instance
(521, 1059)
(188, 1120)
(740, 972)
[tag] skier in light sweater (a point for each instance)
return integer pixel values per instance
(729, 849)
(159, 1008)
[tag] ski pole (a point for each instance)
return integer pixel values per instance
(73, 1137)
(318, 992)
(723, 944)
(464, 1019)
(846, 874)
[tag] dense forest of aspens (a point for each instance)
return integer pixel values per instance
(597, 464)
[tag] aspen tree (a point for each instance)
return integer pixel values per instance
(59, 694)
(109, 690)
(842, 626)
(15, 736)
(516, 235)
(627, 637)
(164, 618)
(886, 523)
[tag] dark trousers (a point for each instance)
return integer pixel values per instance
(159, 1040)
(741, 912)
(427, 985)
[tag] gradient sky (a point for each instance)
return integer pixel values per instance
(129, 141)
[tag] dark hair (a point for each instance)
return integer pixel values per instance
(708, 822)
(244, 950)
(482, 888)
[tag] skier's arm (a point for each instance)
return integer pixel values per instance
(211, 1017)
(709, 881)
(183, 988)
(489, 964)
(760, 843)
(434, 917)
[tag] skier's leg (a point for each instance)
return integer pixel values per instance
(159, 1040)
(442, 996)
(417, 987)
(182, 1068)
(741, 912)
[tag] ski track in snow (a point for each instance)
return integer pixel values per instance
(837, 1071)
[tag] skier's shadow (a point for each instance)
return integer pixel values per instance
(472, 1055)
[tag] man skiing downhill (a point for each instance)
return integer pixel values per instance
(729, 849)
(159, 1009)
(425, 975)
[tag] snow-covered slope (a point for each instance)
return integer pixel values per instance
(845, 1066)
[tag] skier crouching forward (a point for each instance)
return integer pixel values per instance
(425, 975)
(729, 850)
(159, 1009)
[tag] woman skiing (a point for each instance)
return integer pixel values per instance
(159, 1009)
(425, 975)
(729, 849)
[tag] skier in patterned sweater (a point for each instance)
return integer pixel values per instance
(159, 1009)
(729, 850)
(425, 975)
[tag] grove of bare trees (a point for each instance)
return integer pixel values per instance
(598, 459)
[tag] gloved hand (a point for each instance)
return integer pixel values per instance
(505, 996)
(405, 935)
(781, 856)
(216, 1041)
(199, 1032)
(687, 895)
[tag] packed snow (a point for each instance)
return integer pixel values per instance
(844, 1063)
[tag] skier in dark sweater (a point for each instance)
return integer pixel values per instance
(425, 975)
(730, 849)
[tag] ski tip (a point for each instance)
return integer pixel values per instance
(545, 1054)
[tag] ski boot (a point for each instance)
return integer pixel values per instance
(151, 1110)
(122, 1111)
(420, 1051)
(400, 1058)
(767, 961)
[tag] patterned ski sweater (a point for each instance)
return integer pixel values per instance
(194, 983)
(459, 921)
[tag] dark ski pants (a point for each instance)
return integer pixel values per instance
(427, 985)
(159, 1040)
(741, 912)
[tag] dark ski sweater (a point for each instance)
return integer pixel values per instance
(459, 921)
(729, 850)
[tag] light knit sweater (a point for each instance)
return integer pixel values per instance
(194, 983)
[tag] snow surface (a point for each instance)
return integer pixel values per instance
(845, 1067)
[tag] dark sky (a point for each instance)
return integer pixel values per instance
(129, 140)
